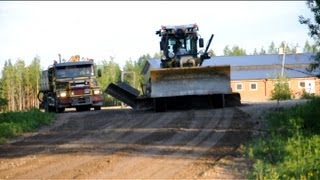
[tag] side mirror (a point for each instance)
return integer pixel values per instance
(201, 42)
(161, 45)
(99, 72)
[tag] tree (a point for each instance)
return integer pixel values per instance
(9, 84)
(314, 29)
(226, 51)
(34, 73)
(211, 53)
(157, 56)
(110, 73)
(262, 51)
(134, 77)
(287, 48)
(255, 52)
(307, 47)
(20, 83)
(235, 51)
(272, 49)
(3, 101)
(281, 89)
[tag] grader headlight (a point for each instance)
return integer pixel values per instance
(171, 54)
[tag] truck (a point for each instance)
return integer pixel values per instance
(70, 84)
(181, 77)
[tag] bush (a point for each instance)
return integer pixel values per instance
(292, 148)
(15, 123)
(306, 95)
(281, 89)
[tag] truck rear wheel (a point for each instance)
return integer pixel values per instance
(58, 109)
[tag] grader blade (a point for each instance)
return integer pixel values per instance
(190, 81)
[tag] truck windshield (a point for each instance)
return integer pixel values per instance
(74, 71)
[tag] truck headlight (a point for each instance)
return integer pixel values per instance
(96, 91)
(63, 93)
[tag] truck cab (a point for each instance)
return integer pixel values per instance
(71, 84)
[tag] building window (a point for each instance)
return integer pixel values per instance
(253, 86)
(302, 84)
(239, 86)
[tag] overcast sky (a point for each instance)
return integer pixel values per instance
(126, 30)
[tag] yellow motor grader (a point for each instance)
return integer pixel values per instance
(180, 78)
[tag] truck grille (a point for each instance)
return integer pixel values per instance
(80, 91)
(81, 101)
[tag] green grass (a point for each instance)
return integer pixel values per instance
(291, 150)
(15, 123)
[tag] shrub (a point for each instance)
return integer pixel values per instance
(292, 148)
(281, 89)
(15, 123)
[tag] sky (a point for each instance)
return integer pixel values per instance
(126, 29)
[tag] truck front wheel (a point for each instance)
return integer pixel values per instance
(60, 110)
(97, 108)
(57, 108)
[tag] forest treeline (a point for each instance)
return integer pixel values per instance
(19, 83)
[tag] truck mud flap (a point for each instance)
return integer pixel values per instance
(123, 92)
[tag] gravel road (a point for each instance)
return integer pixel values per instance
(122, 143)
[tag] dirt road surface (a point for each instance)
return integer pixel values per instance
(122, 143)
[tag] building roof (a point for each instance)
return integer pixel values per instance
(255, 60)
(265, 60)
(269, 73)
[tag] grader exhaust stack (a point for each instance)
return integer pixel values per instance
(179, 77)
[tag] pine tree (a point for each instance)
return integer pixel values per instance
(272, 49)
(262, 51)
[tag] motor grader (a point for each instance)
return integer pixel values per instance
(179, 78)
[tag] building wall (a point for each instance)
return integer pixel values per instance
(261, 89)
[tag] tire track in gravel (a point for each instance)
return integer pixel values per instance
(68, 131)
(122, 144)
(35, 163)
(205, 139)
(204, 166)
(163, 164)
(63, 168)
(157, 120)
(131, 164)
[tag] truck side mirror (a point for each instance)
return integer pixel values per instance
(99, 72)
(161, 45)
(201, 42)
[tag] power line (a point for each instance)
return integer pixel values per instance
(307, 73)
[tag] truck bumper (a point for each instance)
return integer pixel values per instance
(96, 100)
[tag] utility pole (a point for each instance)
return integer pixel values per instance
(283, 58)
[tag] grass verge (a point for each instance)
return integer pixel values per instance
(15, 123)
(291, 149)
